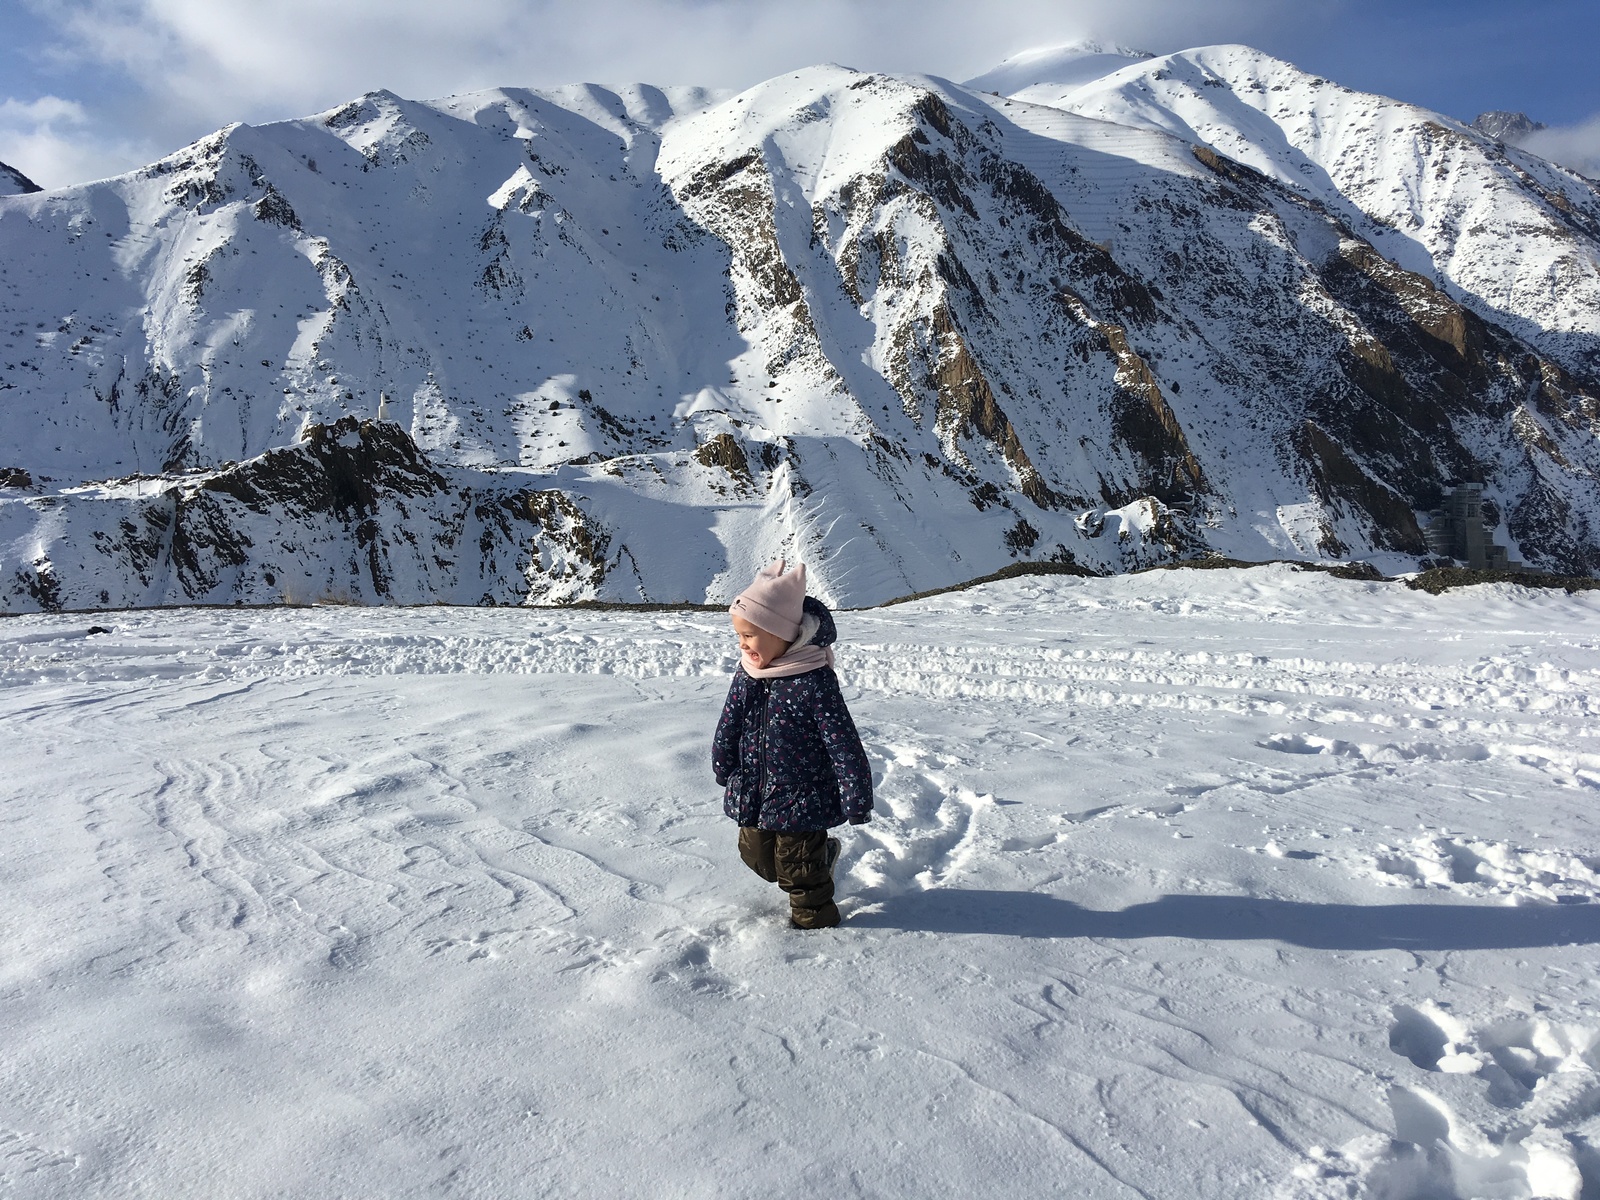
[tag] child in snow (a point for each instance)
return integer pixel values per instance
(786, 749)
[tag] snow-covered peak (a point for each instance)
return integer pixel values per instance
(14, 183)
(622, 108)
(1436, 196)
(1071, 65)
(826, 124)
(1144, 73)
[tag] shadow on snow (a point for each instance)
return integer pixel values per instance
(1427, 926)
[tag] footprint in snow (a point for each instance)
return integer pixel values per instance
(923, 829)
(1542, 1075)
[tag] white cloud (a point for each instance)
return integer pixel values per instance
(220, 55)
(46, 110)
(1574, 146)
(56, 142)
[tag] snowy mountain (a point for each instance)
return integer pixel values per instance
(1504, 233)
(636, 341)
(14, 183)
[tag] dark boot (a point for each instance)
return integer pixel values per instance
(804, 872)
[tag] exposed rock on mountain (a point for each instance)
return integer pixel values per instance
(1511, 127)
(14, 183)
(635, 342)
(354, 513)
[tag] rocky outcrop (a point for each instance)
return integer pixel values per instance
(725, 453)
(1510, 127)
(355, 513)
(14, 183)
(966, 408)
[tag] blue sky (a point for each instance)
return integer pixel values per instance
(90, 87)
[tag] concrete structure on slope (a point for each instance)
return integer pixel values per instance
(1456, 531)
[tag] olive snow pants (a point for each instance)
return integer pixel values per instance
(798, 863)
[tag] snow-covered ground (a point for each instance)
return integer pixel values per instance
(1183, 884)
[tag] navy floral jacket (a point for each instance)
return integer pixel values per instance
(787, 751)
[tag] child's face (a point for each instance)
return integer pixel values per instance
(761, 647)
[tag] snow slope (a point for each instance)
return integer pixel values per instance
(1507, 233)
(635, 342)
(1073, 64)
(1182, 884)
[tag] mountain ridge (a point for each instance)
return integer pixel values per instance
(905, 330)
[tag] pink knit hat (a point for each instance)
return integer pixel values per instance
(773, 601)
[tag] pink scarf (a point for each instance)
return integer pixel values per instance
(797, 660)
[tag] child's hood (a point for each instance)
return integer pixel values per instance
(826, 633)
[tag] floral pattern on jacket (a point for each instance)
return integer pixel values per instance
(786, 750)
